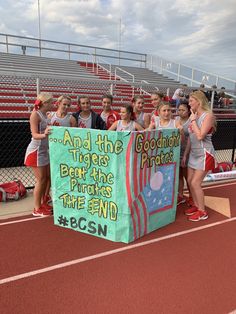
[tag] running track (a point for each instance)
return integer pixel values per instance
(184, 267)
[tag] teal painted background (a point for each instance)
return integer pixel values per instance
(115, 185)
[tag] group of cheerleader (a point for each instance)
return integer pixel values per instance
(195, 122)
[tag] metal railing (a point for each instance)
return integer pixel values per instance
(188, 75)
(122, 78)
(70, 51)
(99, 65)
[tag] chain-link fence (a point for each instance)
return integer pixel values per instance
(18, 94)
(15, 137)
(224, 140)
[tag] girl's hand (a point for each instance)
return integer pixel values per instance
(47, 131)
(151, 126)
(181, 129)
(193, 115)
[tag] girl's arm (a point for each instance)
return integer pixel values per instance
(186, 153)
(114, 126)
(49, 115)
(151, 126)
(207, 124)
(34, 127)
(73, 122)
(147, 119)
(178, 125)
(138, 127)
(181, 130)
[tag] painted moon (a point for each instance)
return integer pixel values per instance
(156, 181)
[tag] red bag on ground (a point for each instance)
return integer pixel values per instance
(223, 166)
(13, 191)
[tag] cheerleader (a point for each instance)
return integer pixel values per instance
(127, 122)
(141, 117)
(37, 153)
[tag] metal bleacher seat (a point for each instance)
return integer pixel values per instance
(19, 73)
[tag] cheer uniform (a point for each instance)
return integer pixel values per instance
(55, 120)
(170, 125)
(85, 123)
(140, 119)
(202, 153)
(93, 122)
(37, 153)
(110, 118)
(129, 127)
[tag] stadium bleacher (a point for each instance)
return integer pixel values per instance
(22, 76)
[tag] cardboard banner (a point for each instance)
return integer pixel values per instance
(115, 185)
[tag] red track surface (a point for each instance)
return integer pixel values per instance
(187, 273)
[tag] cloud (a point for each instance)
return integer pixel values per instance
(199, 34)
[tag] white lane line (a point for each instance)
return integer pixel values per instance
(218, 186)
(29, 219)
(21, 220)
(111, 252)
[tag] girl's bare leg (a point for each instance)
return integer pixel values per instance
(195, 182)
(40, 184)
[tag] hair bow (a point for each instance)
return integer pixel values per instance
(37, 104)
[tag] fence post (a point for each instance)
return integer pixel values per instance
(132, 91)
(95, 55)
(69, 50)
(111, 89)
(234, 146)
(7, 43)
(191, 84)
(151, 62)
(145, 62)
(37, 85)
(168, 92)
(212, 99)
(178, 72)
(94, 61)
(40, 47)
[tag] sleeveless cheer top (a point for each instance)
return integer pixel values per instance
(37, 151)
(170, 125)
(202, 153)
(184, 141)
(129, 127)
(55, 120)
(140, 119)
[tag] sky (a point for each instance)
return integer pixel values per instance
(199, 34)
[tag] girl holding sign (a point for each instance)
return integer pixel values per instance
(183, 117)
(61, 117)
(37, 155)
(127, 122)
(164, 120)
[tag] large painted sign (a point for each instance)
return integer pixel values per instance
(115, 185)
